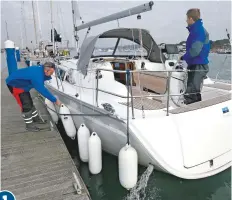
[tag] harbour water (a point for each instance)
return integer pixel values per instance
(160, 186)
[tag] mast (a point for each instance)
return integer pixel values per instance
(33, 9)
(25, 30)
(7, 34)
(21, 28)
(53, 32)
(38, 17)
(75, 16)
(132, 11)
(21, 34)
(74, 5)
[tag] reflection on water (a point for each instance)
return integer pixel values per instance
(139, 191)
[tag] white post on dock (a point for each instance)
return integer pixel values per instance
(17, 54)
(10, 56)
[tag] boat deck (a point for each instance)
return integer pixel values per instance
(201, 104)
(211, 95)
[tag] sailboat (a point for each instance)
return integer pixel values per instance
(139, 98)
(44, 49)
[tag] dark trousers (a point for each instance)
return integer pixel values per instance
(23, 98)
(29, 112)
(194, 83)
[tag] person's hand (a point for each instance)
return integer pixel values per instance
(58, 103)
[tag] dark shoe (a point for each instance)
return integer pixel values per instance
(199, 97)
(186, 102)
(32, 127)
(39, 120)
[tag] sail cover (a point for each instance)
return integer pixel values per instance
(87, 48)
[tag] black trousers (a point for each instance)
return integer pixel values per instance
(23, 98)
(194, 83)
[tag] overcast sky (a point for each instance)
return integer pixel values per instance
(166, 22)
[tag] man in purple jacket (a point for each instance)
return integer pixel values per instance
(196, 56)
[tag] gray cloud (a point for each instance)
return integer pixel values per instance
(166, 22)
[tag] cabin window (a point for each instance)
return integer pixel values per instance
(127, 47)
(104, 46)
(118, 47)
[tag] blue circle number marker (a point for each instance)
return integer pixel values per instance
(7, 195)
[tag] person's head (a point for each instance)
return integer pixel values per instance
(193, 15)
(49, 68)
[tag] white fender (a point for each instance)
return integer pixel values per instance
(95, 154)
(51, 109)
(67, 121)
(128, 166)
(83, 135)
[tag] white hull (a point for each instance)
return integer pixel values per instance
(158, 141)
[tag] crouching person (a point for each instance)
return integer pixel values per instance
(21, 82)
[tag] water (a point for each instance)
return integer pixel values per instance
(139, 191)
(220, 63)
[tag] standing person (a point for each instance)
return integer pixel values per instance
(196, 56)
(21, 81)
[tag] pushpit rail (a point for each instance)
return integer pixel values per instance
(168, 95)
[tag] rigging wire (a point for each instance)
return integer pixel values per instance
(62, 22)
(141, 99)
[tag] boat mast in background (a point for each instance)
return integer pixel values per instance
(23, 19)
(21, 35)
(39, 24)
(33, 9)
(53, 32)
(7, 34)
(76, 16)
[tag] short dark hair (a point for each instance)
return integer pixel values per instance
(49, 65)
(194, 13)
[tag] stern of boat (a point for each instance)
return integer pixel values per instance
(190, 144)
